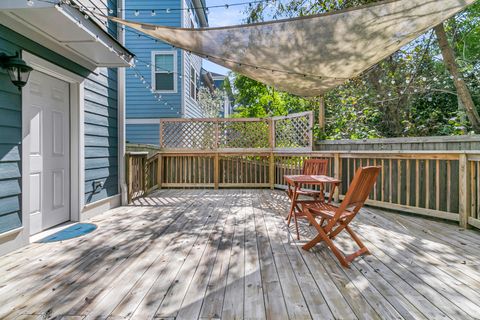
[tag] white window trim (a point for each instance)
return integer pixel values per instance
(175, 71)
(195, 83)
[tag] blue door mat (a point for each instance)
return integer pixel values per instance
(77, 230)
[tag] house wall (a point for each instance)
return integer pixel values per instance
(191, 106)
(141, 103)
(100, 137)
(101, 134)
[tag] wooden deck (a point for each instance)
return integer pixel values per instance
(189, 254)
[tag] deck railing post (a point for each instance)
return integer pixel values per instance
(216, 170)
(159, 170)
(463, 190)
(271, 133)
(336, 172)
(129, 177)
(271, 168)
(161, 133)
(146, 174)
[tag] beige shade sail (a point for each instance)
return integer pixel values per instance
(309, 55)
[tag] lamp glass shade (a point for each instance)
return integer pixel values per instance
(18, 71)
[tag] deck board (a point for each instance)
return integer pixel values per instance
(228, 254)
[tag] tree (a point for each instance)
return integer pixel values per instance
(464, 95)
(411, 93)
(211, 102)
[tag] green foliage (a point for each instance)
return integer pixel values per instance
(254, 99)
(408, 94)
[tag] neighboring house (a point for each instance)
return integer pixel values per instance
(212, 81)
(62, 139)
(173, 73)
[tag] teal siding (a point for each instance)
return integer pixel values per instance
(101, 134)
(143, 133)
(10, 146)
(101, 137)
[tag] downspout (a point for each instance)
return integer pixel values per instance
(202, 17)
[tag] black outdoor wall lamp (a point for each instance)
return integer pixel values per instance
(17, 69)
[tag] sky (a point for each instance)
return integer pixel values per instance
(219, 17)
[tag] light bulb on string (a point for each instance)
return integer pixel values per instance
(167, 10)
(136, 13)
(153, 13)
(30, 3)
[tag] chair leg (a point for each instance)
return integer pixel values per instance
(322, 236)
(363, 248)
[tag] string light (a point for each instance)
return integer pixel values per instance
(30, 3)
(206, 8)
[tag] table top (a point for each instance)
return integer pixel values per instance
(308, 179)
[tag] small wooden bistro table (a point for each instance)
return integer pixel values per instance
(294, 182)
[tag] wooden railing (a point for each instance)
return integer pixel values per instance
(136, 174)
(432, 183)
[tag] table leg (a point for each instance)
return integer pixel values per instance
(332, 191)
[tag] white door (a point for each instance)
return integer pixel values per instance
(47, 142)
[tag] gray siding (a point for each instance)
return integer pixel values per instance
(101, 134)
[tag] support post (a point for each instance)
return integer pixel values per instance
(159, 171)
(216, 170)
(145, 174)
(336, 172)
(271, 133)
(463, 190)
(129, 177)
(161, 134)
(271, 168)
(321, 114)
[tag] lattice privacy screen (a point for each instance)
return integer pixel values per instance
(293, 131)
(244, 134)
(289, 132)
(188, 134)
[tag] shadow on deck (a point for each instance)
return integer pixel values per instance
(189, 254)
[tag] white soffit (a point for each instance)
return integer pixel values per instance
(65, 30)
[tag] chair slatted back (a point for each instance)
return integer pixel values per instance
(361, 186)
(315, 167)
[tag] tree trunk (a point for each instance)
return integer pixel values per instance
(463, 93)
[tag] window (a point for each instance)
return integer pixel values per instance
(164, 71)
(193, 84)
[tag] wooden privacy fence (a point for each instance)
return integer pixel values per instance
(431, 183)
(292, 132)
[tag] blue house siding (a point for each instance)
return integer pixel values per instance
(140, 102)
(101, 134)
(143, 133)
(10, 161)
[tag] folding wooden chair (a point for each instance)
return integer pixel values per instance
(314, 167)
(336, 219)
